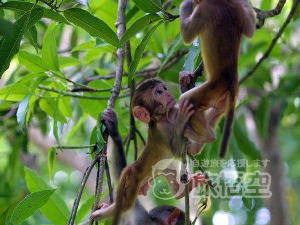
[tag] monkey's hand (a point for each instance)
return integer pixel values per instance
(185, 78)
(110, 120)
(145, 188)
(185, 112)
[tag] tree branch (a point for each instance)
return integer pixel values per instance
(67, 94)
(262, 15)
(121, 27)
(150, 72)
(79, 193)
(273, 43)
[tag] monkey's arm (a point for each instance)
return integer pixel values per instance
(213, 116)
(111, 122)
(248, 21)
(184, 113)
(190, 21)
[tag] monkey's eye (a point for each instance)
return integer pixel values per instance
(158, 92)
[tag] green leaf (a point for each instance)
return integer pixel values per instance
(139, 25)
(6, 215)
(189, 63)
(48, 106)
(6, 28)
(49, 50)
(32, 62)
(65, 62)
(139, 52)
(56, 209)
(244, 144)
(30, 204)
(10, 46)
(31, 36)
(175, 44)
(176, 3)
(55, 128)
(89, 45)
(76, 127)
(262, 115)
(236, 153)
(23, 7)
(93, 25)
(84, 209)
(22, 110)
(24, 105)
(18, 90)
(150, 6)
(51, 159)
(131, 13)
(94, 107)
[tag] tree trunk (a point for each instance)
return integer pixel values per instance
(271, 150)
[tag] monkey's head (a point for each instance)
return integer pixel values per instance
(151, 98)
(166, 215)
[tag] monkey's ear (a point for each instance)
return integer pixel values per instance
(141, 113)
(173, 217)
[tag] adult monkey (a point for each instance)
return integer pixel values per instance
(161, 215)
(153, 104)
(220, 25)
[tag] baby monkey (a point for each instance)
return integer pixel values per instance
(167, 123)
(161, 215)
(220, 24)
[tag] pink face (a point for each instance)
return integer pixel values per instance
(163, 96)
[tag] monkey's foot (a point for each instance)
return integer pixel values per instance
(197, 179)
(194, 148)
(185, 80)
(145, 188)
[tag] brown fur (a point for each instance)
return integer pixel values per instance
(220, 25)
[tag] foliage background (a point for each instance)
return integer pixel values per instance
(48, 53)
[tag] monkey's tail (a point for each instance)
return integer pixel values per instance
(119, 203)
(229, 120)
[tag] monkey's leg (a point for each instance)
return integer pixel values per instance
(207, 95)
(203, 97)
(213, 117)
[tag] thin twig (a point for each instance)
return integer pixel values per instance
(141, 136)
(92, 90)
(262, 15)
(74, 147)
(111, 198)
(151, 72)
(120, 24)
(184, 179)
(207, 178)
(101, 168)
(273, 43)
(67, 94)
(82, 185)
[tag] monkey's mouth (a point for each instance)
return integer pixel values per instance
(171, 101)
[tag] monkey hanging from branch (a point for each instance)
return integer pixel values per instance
(220, 24)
